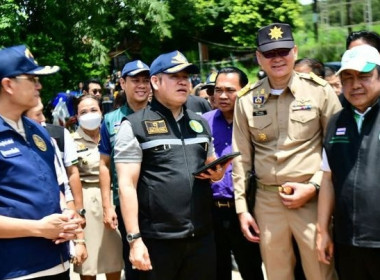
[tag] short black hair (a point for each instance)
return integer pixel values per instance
(81, 98)
(243, 79)
(316, 66)
(329, 72)
(370, 37)
(91, 81)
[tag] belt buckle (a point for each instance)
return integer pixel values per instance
(221, 204)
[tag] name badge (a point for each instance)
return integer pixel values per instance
(259, 113)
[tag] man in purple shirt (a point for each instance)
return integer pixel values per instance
(228, 236)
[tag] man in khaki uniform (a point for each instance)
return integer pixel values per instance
(278, 127)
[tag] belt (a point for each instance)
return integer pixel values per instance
(269, 188)
(224, 203)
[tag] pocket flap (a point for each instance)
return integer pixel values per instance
(260, 122)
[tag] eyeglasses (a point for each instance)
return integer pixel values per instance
(95, 91)
(276, 52)
(33, 79)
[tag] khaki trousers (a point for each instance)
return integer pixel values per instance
(277, 225)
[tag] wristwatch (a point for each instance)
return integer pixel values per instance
(133, 236)
(81, 212)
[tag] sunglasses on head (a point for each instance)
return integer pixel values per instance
(276, 52)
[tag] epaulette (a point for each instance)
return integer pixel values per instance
(248, 87)
(313, 77)
(75, 135)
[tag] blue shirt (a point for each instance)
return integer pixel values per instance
(221, 131)
(28, 190)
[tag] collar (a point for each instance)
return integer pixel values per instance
(80, 134)
(157, 106)
(4, 126)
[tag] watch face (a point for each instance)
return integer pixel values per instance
(131, 237)
(82, 212)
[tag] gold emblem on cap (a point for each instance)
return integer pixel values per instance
(40, 143)
(156, 127)
(140, 64)
(28, 54)
(262, 137)
(179, 58)
(275, 33)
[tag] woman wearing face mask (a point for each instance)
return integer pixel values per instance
(103, 244)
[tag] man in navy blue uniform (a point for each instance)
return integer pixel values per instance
(33, 228)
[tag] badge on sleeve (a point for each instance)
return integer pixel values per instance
(40, 143)
(196, 126)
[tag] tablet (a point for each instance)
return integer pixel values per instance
(213, 164)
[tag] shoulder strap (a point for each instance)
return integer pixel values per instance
(58, 133)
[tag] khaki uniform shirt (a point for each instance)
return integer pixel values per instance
(88, 157)
(282, 133)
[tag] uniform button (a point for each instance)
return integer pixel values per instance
(193, 235)
(226, 144)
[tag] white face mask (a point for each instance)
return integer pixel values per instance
(90, 121)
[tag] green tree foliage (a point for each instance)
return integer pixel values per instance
(81, 35)
(248, 16)
(78, 35)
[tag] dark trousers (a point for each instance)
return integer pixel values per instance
(357, 263)
(130, 274)
(62, 276)
(228, 237)
(181, 259)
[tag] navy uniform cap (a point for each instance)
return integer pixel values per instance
(133, 68)
(18, 60)
(210, 81)
(275, 36)
(172, 62)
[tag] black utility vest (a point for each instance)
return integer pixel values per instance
(354, 159)
(172, 203)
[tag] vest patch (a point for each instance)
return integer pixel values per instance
(196, 126)
(11, 152)
(40, 143)
(156, 127)
(6, 142)
(340, 131)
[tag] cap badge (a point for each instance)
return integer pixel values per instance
(139, 64)
(179, 59)
(40, 143)
(196, 126)
(29, 55)
(276, 33)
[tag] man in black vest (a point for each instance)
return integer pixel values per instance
(157, 150)
(350, 186)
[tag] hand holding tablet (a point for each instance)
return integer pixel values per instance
(222, 160)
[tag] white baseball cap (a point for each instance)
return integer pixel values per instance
(363, 58)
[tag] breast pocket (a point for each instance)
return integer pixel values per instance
(303, 125)
(262, 128)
